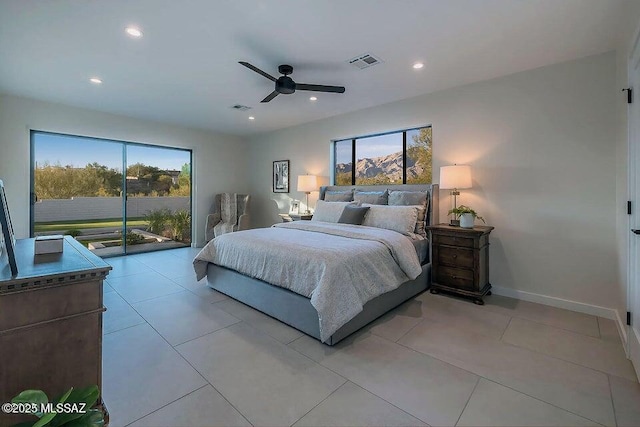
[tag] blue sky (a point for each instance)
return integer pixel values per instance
(68, 150)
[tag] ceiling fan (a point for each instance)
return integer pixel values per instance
(286, 85)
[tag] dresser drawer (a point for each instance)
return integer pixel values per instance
(455, 277)
(466, 242)
(455, 256)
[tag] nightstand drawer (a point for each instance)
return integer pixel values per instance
(455, 277)
(466, 242)
(456, 257)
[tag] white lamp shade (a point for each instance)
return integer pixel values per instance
(457, 176)
(307, 183)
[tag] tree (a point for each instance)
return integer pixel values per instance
(64, 182)
(183, 188)
(180, 191)
(111, 179)
(420, 151)
(343, 178)
(96, 180)
(379, 179)
(162, 184)
(140, 170)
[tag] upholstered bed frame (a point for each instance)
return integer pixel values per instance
(296, 310)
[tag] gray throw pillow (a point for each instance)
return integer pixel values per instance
(397, 218)
(371, 197)
(407, 198)
(338, 196)
(329, 211)
(353, 214)
(420, 199)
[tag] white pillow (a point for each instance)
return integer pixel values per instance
(329, 211)
(397, 218)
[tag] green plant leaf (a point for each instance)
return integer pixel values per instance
(32, 396)
(58, 400)
(93, 418)
(462, 209)
(45, 419)
(88, 395)
(64, 397)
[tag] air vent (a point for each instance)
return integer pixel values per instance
(364, 61)
(240, 107)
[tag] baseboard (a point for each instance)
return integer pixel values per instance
(622, 329)
(634, 350)
(580, 307)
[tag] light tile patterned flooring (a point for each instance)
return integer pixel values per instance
(177, 353)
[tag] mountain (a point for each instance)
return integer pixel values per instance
(389, 165)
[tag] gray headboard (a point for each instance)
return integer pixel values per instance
(432, 189)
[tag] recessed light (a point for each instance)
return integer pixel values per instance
(134, 32)
(418, 65)
(95, 80)
(251, 118)
(313, 98)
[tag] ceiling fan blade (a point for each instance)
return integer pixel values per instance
(257, 70)
(320, 88)
(271, 96)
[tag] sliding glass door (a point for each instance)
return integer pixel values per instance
(158, 194)
(114, 197)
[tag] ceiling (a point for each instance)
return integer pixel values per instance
(185, 70)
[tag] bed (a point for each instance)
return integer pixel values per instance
(302, 288)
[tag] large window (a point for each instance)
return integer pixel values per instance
(114, 197)
(402, 157)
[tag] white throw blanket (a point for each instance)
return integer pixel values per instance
(338, 266)
(228, 214)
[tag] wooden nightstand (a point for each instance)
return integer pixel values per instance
(460, 261)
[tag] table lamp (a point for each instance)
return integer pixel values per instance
(454, 178)
(307, 184)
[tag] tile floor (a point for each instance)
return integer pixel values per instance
(177, 353)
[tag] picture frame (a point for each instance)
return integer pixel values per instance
(7, 231)
(295, 207)
(281, 176)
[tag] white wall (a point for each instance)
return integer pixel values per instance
(218, 160)
(542, 146)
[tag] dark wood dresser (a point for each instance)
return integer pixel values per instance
(50, 322)
(460, 261)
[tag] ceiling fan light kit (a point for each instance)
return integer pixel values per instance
(285, 84)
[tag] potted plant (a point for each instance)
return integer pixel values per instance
(467, 216)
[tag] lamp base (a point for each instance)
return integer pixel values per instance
(454, 223)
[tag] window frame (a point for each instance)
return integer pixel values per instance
(334, 143)
(125, 144)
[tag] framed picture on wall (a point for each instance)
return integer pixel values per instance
(7, 233)
(281, 176)
(295, 207)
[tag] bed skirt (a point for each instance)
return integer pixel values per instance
(296, 310)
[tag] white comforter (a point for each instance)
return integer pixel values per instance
(338, 266)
